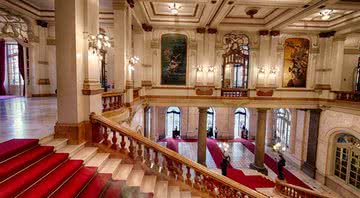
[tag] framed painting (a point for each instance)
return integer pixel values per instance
(173, 59)
(296, 56)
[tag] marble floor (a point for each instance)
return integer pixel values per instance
(27, 117)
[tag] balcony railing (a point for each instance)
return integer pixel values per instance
(111, 101)
(348, 96)
(165, 161)
(234, 92)
(296, 191)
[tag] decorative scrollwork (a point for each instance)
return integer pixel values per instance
(236, 42)
(14, 25)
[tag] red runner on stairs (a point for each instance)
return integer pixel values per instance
(52, 181)
(96, 186)
(74, 185)
(21, 181)
(13, 147)
(10, 167)
(272, 164)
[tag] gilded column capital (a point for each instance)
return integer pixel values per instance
(203, 109)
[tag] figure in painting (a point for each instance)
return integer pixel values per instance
(296, 62)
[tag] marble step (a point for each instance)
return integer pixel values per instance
(174, 192)
(56, 143)
(185, 194)
(161, 189)
(71, 149)
(135, 178)
(111, 166)
(85, 154)
(148, 184)
(123, 172)
(195, 197)
(99, 160)
(46, 139)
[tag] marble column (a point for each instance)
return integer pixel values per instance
(202, 136)
(269, 127)
(323, 71)
(337, 62)
(293, 126)
(147, 60)
(79, 93)
(309, 166)
(260, 143)
(120, 42)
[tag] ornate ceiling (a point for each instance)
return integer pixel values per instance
(285, 15)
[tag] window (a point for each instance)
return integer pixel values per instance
(14, 76)
(347, 159)
(236, 60)
(172, 120)
(282, 124)
(210, 121)
(241, 122)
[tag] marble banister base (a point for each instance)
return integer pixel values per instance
(76, 133)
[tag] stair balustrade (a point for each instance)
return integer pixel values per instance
(111, 101)
(234, 92)
(347, 96)
(290, 190)
(166, 161)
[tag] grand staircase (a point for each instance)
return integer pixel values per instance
(115, 162)
(52, 168)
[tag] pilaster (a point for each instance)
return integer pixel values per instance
(202, 135)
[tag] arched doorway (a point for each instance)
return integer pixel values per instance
(173, 118)
(347, 159)
(281, 127)
(210, 122)
(241, 123)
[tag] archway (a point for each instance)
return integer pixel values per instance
(241, 123)
(210, 122)
(173, 118)
(281, 126)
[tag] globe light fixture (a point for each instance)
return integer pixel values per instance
(326, 14)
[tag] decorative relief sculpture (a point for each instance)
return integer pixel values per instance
(13, 25)
(235, 42)
(173, 59)
(296, 56)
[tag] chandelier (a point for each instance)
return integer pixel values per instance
(174, 9)
(326, 14)
(99, 43)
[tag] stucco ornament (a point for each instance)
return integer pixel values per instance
(13, 25)
(235, 42)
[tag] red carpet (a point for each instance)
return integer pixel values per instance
(272, 164)
(74, 186)
(21, 181)
(252, 182)
(10, 167)
(13, 147)
(51, 182)
(94, 189)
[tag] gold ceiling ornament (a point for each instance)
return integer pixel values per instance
(14, 25)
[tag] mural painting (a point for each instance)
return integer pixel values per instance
(173, 59)
(296, 56)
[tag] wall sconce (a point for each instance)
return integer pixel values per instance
(261, 76)
(132, 61)
(98, 44)
(211, 75)
(199, 74)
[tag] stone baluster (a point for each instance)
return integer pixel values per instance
(139, 152)
(131, 149)
(156, 161)
(105, 135)
(122, 144)
(188, 176)
(114, 141)
(147, 156)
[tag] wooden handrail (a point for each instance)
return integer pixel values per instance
(204, 179)
(296, 191)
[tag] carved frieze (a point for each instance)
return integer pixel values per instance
(14, 25)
